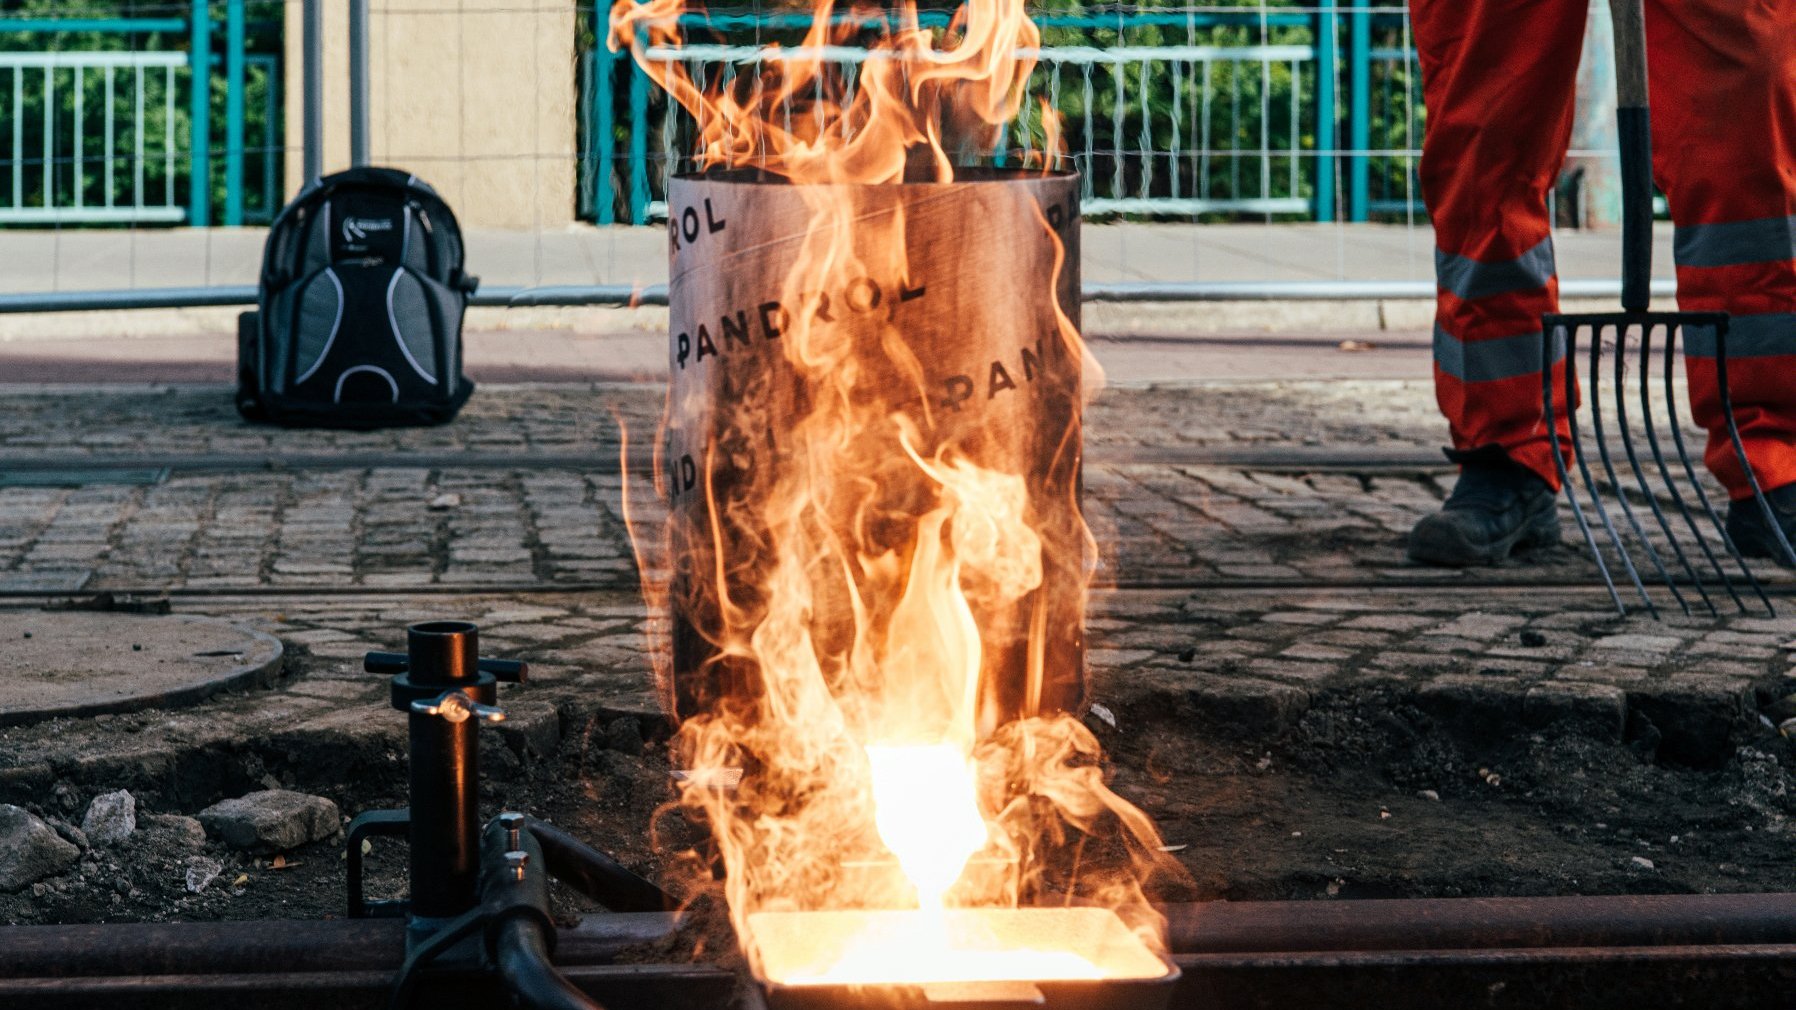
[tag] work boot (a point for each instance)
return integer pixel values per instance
(1753, 535)
(1496, 508)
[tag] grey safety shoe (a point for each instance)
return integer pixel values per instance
(1753, 535)
(1495, 510)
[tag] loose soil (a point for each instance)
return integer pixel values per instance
(1362, 798)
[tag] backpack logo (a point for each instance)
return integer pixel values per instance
(357, 229)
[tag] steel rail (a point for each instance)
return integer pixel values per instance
(605, 460)
(1212, 928)
(1473, 586)
(1472, 923)
(1712, 950)
(627, 295)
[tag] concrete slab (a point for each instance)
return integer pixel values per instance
(62, 663)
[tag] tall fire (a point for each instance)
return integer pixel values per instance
(876, 563)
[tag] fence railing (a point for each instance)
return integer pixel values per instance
(95, 134)
(1197, 153)
(121, 165)
(1391, 184)
(1242, 116)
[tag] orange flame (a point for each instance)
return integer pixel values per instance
(918, 88)
(879, 771)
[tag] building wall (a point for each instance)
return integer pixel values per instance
(477, 99)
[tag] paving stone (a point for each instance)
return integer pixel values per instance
(1525, 671)
(1481, 706)
(1699, 717)
(1320, 653)
(1732, 636)
(1117, 659)
(1307, 617)
(1447, 644)
(274, 820)
(1353, 639)
(1246, 706)
(1602, 674)
(1410, 661)
(531, 727)
(1595, 710)
(1477, 626)
(1647, 644)
(1288, 670)
(1225, 647)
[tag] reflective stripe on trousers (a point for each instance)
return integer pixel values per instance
(1499, 82)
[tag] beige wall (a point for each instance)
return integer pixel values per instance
(476, 98)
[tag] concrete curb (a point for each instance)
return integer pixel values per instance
(1241, 317)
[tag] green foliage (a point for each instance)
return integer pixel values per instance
(1188, 127)
(166, 130)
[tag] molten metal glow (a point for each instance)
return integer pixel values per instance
(959, 945)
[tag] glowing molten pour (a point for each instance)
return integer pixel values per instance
(927, 813)
(952, 946)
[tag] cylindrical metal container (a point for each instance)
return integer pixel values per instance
(948, 325)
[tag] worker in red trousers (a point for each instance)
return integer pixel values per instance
(1498, 80)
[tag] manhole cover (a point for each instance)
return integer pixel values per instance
(75, 664)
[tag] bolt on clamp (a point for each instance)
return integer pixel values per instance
(456, 707)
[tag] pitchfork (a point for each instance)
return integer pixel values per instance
(1635, 325)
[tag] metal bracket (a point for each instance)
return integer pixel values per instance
(373, 824)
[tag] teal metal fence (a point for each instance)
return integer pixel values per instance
(101, 122)
(1224, 112)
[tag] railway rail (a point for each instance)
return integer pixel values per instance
(1708, 950)
(604, 460)
(1484, 591)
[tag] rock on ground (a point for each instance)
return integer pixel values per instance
(30, 850)
(71, 834)
(186, 832)
(110, 818)
(624, 735)
(274, 820)
(201, 872)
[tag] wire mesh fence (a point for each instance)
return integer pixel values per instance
(1213, 113)
(1187, 123)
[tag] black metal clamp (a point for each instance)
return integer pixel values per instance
(479, 900)
(513, 907)
(446, 691)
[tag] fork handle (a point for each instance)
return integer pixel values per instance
(1635, 131)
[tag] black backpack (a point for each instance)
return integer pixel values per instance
(359, 308)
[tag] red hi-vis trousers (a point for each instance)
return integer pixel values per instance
(1499, 80)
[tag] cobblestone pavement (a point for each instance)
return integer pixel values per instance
(1258, 482)
(1246, 661)
(1244, 566)
(1212, 506)
(1252, 539)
